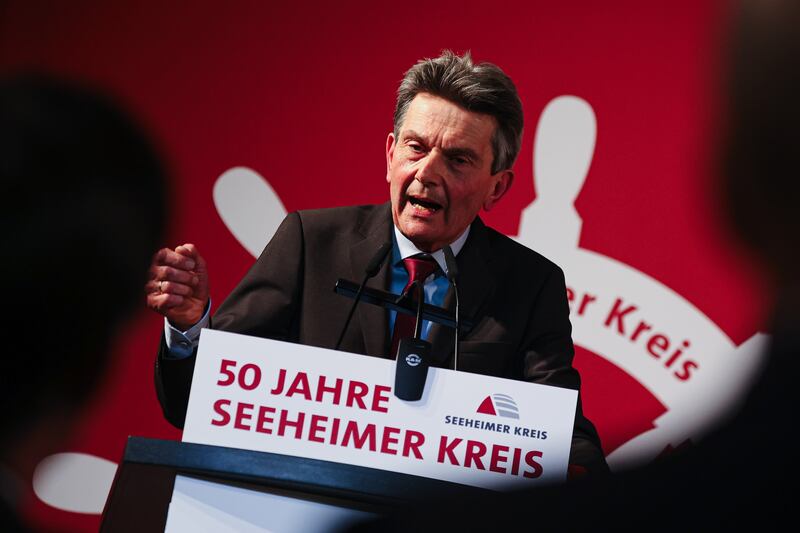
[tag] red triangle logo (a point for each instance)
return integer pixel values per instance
(486, 407)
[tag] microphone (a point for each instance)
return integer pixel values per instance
(413, 356)
(372, 269)
(452, 274)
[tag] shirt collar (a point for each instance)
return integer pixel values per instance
(406, 248)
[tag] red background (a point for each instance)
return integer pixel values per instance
(303, 93)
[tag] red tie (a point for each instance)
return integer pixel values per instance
(419, 268)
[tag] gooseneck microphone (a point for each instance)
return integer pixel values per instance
(372, 269)
(420, 301)
(452, 274)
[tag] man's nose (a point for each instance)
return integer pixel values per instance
(431, 168)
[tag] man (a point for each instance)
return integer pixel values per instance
(739, 477)
(84, 203)
(457, 132)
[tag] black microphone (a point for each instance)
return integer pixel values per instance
(413, 356)
(372, 269)
(452, 274)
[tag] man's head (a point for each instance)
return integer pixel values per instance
(761, 156)
(83, 206)
(457, 132)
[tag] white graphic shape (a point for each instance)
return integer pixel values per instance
(75, 482)
(563, 150)
(564, 147)
(505, 406)
(249, 207)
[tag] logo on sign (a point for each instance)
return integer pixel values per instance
(499, 405)
(413, 359)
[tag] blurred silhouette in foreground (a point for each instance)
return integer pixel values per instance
(739, 477)
(83, 205)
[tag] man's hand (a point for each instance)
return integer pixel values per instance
(178, 285)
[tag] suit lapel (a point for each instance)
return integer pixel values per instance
(376, 229)
(476, 284)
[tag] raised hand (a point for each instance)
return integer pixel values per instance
(178, 285)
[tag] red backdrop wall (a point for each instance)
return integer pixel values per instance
(303, 93)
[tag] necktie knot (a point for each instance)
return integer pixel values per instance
(419, 267)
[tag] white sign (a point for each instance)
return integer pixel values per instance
(271, 396)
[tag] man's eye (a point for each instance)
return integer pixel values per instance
(416, 148)
(459, 160)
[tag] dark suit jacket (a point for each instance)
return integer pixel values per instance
(516, 297)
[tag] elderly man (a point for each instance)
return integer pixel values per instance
(457, 132)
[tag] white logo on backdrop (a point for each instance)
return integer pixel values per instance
(675, 351)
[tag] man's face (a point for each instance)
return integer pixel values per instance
(439, 171)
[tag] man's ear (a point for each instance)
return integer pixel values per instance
(502, 183)
(389, 155)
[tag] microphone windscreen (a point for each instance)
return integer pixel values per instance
(411, 369)
(377, 259)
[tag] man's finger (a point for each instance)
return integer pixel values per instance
(170, 287)
(163, 302)
(190, 250)
(187, 250)
(167, 257)
(165, 273)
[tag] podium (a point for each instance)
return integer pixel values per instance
(285, 437)
(140, 496)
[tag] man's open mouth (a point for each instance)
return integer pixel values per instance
(427, 205)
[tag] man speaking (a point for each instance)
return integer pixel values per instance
(457, 132)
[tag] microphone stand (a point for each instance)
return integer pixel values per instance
(372, 269)
(452, 274)
(420, 301)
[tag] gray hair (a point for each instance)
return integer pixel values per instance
(481, 88)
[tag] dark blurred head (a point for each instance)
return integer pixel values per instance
(83, 208)
(761, 165)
